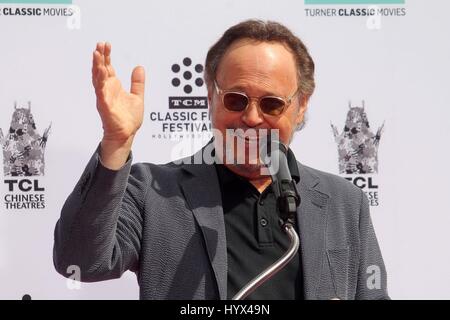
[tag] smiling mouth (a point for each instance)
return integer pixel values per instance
(249, 138)
(252, 138)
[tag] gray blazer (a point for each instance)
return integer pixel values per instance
(166, 224)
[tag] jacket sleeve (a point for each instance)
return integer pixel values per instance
(100, 227)
(372, 276)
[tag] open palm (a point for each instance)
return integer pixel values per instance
(121, 111)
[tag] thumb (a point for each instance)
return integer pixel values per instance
(138, 81)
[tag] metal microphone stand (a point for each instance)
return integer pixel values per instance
(288, 200)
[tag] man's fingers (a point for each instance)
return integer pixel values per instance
(99, 57)
(102, 59)
(94, 66)
(138, 81)
(107, 55)
(99, 72)
(101, 47)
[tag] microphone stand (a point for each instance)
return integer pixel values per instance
(288, 200)
(250, 287)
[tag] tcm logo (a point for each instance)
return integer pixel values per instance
(357, 144)
(187, 76)
(23, 146)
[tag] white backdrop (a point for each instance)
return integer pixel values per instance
(399, 65)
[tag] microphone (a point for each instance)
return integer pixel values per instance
(273, 154)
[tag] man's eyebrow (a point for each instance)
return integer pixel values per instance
(240, 88)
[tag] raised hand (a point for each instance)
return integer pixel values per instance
(121, 111)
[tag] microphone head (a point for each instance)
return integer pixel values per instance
(273, 154)
(268, 146)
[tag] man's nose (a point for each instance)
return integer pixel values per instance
(252, 116)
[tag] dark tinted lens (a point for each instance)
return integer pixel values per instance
(271, 105)
(235, 101)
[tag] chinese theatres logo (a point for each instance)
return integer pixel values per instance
(357, 144)
(23, 147)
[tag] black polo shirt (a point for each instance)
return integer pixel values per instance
(255, 239)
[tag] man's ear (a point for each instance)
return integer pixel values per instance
(303, 105)
(210, 95)
(209, 98)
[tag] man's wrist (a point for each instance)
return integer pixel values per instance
(114, 154)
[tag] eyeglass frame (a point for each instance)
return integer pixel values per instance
(287, 100)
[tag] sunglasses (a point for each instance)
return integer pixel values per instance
(238, 101)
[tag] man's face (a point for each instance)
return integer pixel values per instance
(257, 69)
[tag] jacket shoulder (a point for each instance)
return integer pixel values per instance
(160, 174)
(332, 184)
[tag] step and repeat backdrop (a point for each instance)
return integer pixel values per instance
(383, 71)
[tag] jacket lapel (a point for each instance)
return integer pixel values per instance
(203, 195)
(312, 220)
